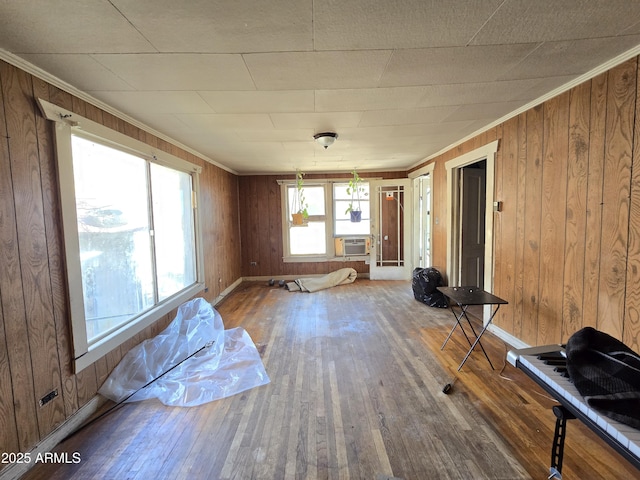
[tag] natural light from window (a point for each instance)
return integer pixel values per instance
(310, 238)
(136, 234)
(342, 218)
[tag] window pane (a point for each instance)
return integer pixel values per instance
(113, 230)
(347, 227)
(340, 191)
(342, 214)
(313, 198)
(173, 230)
(342, 218)
(308, 240)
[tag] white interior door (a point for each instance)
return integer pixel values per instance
(422, 221)
(391, 227)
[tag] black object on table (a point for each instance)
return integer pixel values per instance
(464, 297)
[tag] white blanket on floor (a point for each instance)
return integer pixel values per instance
(313, 284)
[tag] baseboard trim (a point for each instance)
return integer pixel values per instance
(509, 339)
(226, 292)
(264, 278)
(16, 470)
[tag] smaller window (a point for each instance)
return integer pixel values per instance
(343, 226)
(311, 237)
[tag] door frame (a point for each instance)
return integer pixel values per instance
(488, 153)
(472, 223)
(415, 176)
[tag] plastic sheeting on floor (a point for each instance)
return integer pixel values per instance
(230, 365)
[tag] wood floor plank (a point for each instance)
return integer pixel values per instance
(356, 393)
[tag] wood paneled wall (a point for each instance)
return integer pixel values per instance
(35, 341)
(567, 241)
(261, 227)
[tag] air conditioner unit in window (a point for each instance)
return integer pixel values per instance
(352, 246)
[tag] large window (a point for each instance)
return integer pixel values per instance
(131, 235)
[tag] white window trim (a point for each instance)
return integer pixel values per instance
(330, 256)
(328, 209)
(67, 122)
(333, 201)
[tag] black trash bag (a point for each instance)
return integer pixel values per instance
(606, 373)
(424, 283)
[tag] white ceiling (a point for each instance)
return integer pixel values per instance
(248, 83)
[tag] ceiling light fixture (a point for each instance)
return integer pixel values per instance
(325, 139)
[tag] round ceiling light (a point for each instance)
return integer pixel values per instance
(325, 139)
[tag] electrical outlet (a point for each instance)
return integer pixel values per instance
(48, 397)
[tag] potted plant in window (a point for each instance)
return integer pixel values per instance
(299, 206)
(355, 189)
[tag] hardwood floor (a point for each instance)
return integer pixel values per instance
(356, 393)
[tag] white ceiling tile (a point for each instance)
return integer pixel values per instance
(67, 26)
(307, 147)
(406, 116)
(540, 87)
(523, 21)
(226, 121)
(315, 70)
(320, 122)
(80, 70)
(170, 125)
(179, 71)
(632, 30)
(362, 24)
(282, 101)
(259, 148)
(155, 102)
(272, 134)
(222, 26)
(470, 93)
(401, 134)
(452, 65)
(368, 134)
(429, 129)
(352, 99)
(483, 111)
(206, 141)
(569, 57)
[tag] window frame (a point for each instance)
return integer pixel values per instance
(362, 200)
(330, 235)
(286, 224)
(67, 123)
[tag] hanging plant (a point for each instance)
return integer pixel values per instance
(355, 189)
(299, 206)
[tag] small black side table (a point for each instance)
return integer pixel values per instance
(463, 298)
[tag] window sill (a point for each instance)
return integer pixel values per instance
(117, 338)
(319, 259)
